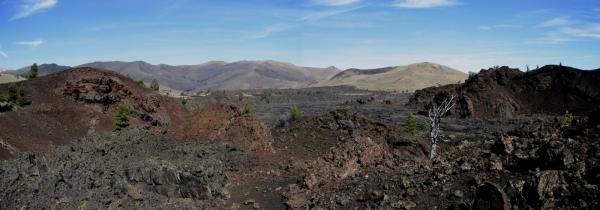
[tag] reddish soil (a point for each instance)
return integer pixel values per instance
(226, 123)
(70, 104)
(506, 92)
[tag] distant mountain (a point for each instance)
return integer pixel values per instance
(43, 69)
(221, 75)
(398, 78)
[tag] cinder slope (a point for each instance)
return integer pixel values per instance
(401, 78)
(70, 104)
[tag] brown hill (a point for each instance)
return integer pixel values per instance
(8, 78)
(399, 78)
(506, 92)
(70, 104)
(221, 75)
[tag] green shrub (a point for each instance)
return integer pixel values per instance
(154, 85)
(568, 118)
(122, 117)
(141, 83)
(247, 110)
(15, 95)
(411, 124)
(295, 112)
(184, 101)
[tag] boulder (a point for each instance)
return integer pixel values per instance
(490, 196)
(504, 144)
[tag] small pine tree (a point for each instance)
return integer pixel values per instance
(295, 112)
(154, 85)
(33, 71)
(411, 125)
(16, 95)
(122, 117)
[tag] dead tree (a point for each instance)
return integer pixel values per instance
(435, 116)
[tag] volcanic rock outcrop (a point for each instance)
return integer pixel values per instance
(226, 123)
(506, 92)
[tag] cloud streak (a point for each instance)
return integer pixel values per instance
(33, 43)
(423, 4)
(334, 2)
(269, 30)
(2, 53)
(591, 31)
(34, 7)
(499, 26)
(311, 17)
(327, 13)
(558, 21)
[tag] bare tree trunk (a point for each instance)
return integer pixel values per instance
(435, 116)
(433, 151)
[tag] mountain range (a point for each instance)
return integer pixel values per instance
(398, 78)
(220, 75)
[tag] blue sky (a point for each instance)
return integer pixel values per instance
(464, 34)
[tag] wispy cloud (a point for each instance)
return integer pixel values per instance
(334, 2)
(499, 26)
(552, 38)
(591, 31)
(267, 31)
(310, 17)
(31, 7)
(422, 4)
(33, 43)
(2, 53)
(557, 21)
(327, 13)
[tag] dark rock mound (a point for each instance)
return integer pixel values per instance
(506, 92)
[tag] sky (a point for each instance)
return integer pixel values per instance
(464, 34)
